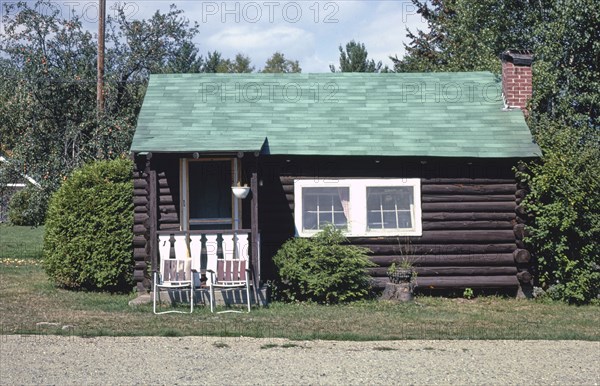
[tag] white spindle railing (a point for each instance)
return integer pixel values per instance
(234, 245)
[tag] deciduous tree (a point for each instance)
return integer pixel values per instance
(279, 64)
(48, 119)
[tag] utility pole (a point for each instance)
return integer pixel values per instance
(100, 89)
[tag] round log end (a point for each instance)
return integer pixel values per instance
(524, 276)
(520, 211)
(138, 275)
(522, 256)
(520, 231)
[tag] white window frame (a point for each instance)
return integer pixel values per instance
(357, 221)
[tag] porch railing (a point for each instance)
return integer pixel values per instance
(202, 246)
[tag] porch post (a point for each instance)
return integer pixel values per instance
(255, 236)
(152, 213)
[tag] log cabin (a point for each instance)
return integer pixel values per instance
(418, 166)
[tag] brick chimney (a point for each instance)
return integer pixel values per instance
(516, 78)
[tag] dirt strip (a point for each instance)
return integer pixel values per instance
(42, 359)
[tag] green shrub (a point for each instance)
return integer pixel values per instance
(564, 234)
(27, 207)
(322, 269)
(88, 239)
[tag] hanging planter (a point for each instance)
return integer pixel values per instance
(240, 192)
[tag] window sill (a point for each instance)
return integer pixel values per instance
(382, 233)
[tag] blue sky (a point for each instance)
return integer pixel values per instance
(306, 30)
(309, 31)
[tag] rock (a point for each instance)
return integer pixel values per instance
(47, 324)
(142, 299)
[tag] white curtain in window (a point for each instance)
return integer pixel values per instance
(344, 194)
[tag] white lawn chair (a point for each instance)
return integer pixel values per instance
(231, 272)
(175, 273)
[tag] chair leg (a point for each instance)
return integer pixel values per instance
(192, 296)
(212, 298)
(248, 293)
(154, 294)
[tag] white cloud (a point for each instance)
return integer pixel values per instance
(384, 32)
(260, 43)
(313, 39)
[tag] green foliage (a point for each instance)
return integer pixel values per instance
(88, 236)
(48, 117)
(465, 35)
(18, 205)
(391, 269)
(564, 37)
(565, 206)
(28, 207)
(216, 64)
(279, 64)
(566, 70)
(322, 269)
(468, 293)
(565, 201)
(355, 59)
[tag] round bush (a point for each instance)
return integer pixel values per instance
(27, 207)
(88, 239)
(322, 269)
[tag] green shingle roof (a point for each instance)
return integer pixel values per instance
(432, 114)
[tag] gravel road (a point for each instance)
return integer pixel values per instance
(41, 359)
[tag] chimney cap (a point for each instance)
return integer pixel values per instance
(518, 57)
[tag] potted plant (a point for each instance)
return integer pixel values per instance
(239, 191)
(402, 273)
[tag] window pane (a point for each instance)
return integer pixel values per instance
(341, 221)
(310, 203)
(405, 219)
(373, 200)
(389, 207)
(321, 206)
(309, 220)
(389, 219)
(374, 220)
(337, 204)
(210, 190)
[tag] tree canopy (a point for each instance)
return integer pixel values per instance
(564, 202)
(48, 119)
(468, 35)
(278, 63)
(355, 59)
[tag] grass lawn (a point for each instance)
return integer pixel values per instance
(28, 298)
(21, 242)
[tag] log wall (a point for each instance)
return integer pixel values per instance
(469, 215)
(473, 225)
(167, 175)
(141, 225)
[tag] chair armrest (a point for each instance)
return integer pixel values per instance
(210, 275)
